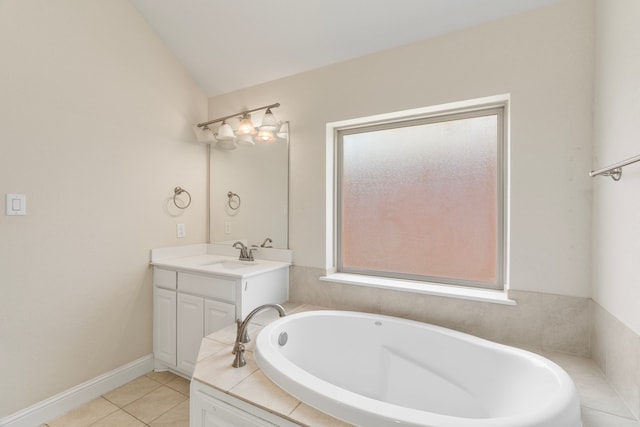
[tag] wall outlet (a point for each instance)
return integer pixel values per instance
(181, 231)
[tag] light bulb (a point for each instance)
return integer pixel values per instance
(246, 126)
(265, 136)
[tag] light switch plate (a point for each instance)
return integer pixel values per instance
(16, 204)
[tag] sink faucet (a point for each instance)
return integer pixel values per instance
(245, 255)
(266, 241)
(242, 336)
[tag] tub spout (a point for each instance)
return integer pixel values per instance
(242, 337)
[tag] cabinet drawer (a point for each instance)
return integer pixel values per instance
(164, 278)
(213, 287)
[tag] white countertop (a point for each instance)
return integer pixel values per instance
(220, 265)
(221, 260)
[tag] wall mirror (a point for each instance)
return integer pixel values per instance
(249, 194)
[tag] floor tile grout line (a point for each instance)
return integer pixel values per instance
(122, 408)
(632, 417)
(135, 400)
(611, 413)
(170, 409)
(146, 394)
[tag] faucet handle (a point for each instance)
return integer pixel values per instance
(239, 360)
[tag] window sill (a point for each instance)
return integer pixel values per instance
(482, 295)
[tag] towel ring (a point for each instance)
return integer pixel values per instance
(178, 191)
(234, 200)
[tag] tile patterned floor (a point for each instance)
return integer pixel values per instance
(161, 399)
(158, 399)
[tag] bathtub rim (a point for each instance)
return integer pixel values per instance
(332, 400)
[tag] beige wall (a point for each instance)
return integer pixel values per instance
(95, 119)
(616, 207)
(542, 58)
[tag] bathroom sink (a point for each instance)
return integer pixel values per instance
(230, 265)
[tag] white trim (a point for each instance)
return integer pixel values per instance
(503, 101)
(55, 406)
(441, 109)
(329, 192)
(472, 294)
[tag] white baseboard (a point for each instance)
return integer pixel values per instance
(61, 403)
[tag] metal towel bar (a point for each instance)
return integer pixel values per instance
(615, 170)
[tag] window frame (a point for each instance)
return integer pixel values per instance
(475, 108)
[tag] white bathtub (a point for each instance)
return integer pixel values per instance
(372, 370)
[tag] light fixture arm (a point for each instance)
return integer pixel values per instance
(276, 105)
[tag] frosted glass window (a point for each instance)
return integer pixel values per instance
(422, 199)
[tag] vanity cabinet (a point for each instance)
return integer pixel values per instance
(212, 408)
(190, 330)
(191, 305)
(164, 325)
(164, 316)
(197, 318)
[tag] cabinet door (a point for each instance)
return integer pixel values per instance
(206, 411)
(217, 315)
(190, 330)
(164, 326)
(266, 288)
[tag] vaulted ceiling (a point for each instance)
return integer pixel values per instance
(232, 44)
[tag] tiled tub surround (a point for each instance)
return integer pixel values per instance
(601, 406)
(616, 350)
(548, 322)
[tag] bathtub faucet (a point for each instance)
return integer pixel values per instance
(241, 334)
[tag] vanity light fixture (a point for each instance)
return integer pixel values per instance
(204, 135)
(283, 132)
(227, 137)
(225, 132)
(269, 121)
(246, 140)
(265, 136)
(246, 126)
